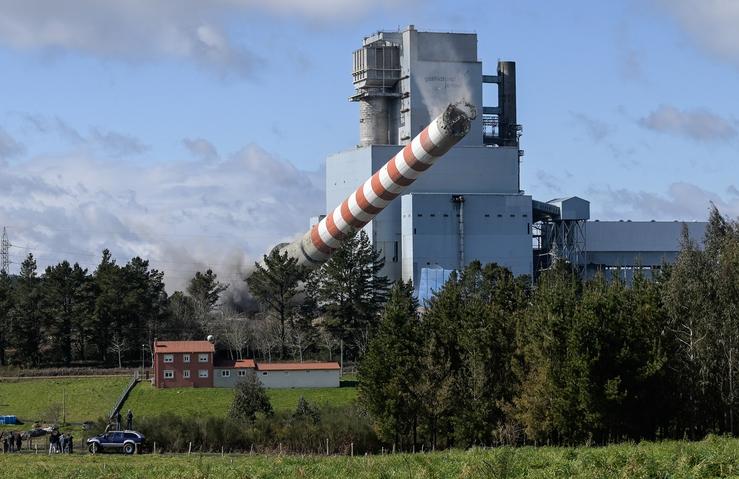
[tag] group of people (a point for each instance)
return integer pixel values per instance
(117, 421)
(12, 441)
(60, 443)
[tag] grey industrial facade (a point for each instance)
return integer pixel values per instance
(470, 205)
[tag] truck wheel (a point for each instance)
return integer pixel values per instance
(129, 448)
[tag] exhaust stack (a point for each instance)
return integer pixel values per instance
(390, 181)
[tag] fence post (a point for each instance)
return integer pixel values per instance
(155, 447)
(352, 449)
(327, 446)
(221, 451)
(189, 448)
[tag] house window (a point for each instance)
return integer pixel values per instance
(186, 358)
(202, 373)
(226, 373)
(186, 374)
(242, 373)
(169, 358)
(203, 357)
(168, 374)
(264, 374)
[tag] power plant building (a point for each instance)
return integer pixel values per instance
(470, 205)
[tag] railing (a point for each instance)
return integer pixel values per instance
(122, 398)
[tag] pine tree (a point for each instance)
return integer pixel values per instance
(25, 315)
(390, 368)
(205, 291)
(352, 292)
(275, 284)
(6, 305)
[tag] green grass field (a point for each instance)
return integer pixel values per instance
(83, 399)
(145, 400)
(674, 460)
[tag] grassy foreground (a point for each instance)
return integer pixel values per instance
(145, 400)
(713, 457)
(83, 399)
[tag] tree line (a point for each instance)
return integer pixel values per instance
(67, 315)
(494, 360)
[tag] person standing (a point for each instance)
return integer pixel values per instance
(53, 441)
(18, 442)
(117, 420)
(129, 420)
(70, 444)
(62, 442)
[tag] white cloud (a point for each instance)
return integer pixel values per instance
(711, 23)
(682, 201)
(9, 146)
(184, 215)
(698, 124)
(195, 30)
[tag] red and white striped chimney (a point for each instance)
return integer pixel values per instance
(389, 182)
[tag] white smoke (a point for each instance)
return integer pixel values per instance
(184, 216)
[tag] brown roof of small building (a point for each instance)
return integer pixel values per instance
(183, 347)
(297, 366)
(238, 364)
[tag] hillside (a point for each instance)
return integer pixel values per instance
(80, 399)
(145, 400)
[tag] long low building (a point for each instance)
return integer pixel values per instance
(278, 375)
(180, 364)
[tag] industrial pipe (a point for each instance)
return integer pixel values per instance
(317, 245)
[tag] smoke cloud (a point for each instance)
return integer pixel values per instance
(184, 215)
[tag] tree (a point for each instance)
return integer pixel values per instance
(250, 398)
(235, 331)
(275, 284)
(119, 346)
(25, 315)
(109, 310)
(6, 305)
(67, 305)
(205, 290)
(352, 292)
(389, 369)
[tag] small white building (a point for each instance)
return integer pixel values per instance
(227, 373)
(299, 375)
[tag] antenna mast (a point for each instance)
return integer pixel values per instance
(4, 252)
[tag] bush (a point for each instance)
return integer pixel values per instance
(250, 397)
(342, 426)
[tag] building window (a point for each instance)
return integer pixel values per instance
(202, 373)
(186, 374)
(226, 373)
(203, 357)
(169, 358)
(168, 374)
(186, 358)
(242, 373)
(264, 374)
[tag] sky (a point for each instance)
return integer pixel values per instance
(193, 133)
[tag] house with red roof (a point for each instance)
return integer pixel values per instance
(180, 364)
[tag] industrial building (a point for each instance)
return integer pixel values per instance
(470, 205)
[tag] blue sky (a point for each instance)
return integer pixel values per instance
(194, 132)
